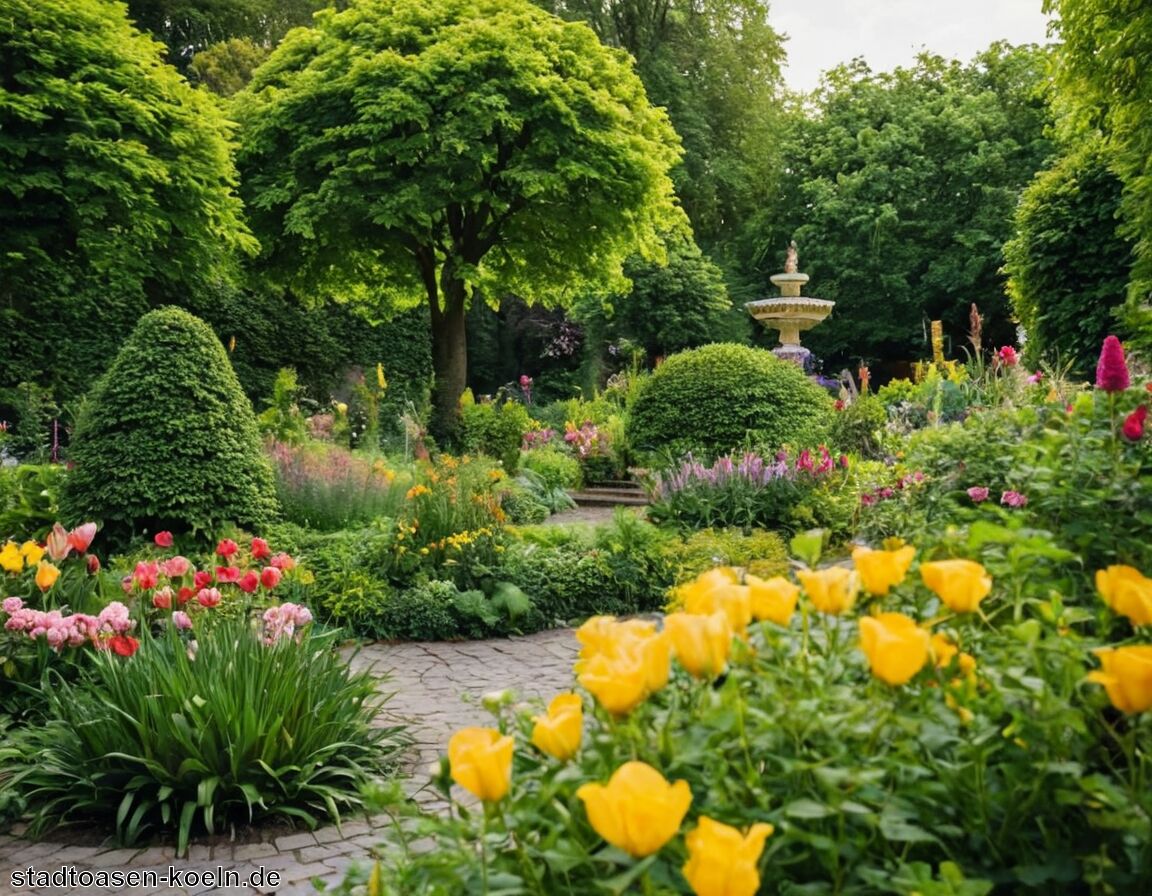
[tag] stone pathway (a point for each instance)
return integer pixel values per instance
(436, 689)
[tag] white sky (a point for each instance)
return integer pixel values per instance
(889, 33)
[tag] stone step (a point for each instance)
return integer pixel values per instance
(625, 484)
(608, 498)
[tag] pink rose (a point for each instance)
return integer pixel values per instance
(978, 493)
(1013, 499)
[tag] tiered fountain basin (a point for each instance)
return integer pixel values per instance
(791, 315)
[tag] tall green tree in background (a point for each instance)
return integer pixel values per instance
(450, 150)
(116, 189)
(900, 192)
(1105, 85)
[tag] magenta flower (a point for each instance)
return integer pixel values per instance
(1111, 369)
(1013, 499)
(1008, 356)
(1133, 428)
(978, 493)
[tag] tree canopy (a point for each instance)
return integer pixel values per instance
(452, 149)
(116, 188)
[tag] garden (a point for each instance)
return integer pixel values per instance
(313, 339)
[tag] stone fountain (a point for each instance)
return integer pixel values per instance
(791, 313)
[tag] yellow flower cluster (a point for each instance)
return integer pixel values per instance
(621, 663)
(416, 491)
(13, 557)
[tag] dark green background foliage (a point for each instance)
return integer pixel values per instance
(495, 429)
(1068, 268)
(167, 439)
(116, 189)
(717, 398)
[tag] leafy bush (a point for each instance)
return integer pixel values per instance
(858, 427)
(760, 552)
(29, 499)
(557, 469)
(167, 440)
(326, 487)
(181, 740)
(715, 399)
(522, 504)
(282, 421)
(495, 429)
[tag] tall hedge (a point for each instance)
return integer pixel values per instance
(167, 439)
(718, 398)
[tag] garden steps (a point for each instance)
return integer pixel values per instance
(610, 494)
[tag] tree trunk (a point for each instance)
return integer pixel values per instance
(449, 360)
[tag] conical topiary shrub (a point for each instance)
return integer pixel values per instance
(167, 438)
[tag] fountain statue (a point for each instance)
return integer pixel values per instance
(792, 312)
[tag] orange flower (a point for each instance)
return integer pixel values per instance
(46, 575)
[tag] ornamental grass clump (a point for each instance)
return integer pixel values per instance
(242, 725)
(853, 734)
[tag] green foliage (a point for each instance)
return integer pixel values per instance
(244, 731)
(492, 149)
(554, 498)
(557, 469)
(282, 420)
(495, 429)
(1068, 268)
(522, 505)
(858, 427)
(714, 399)
(28, 433)
(903, 187)
(116, 189)
(760, 552)
(167, 439)
(226, 68)
(29, 500)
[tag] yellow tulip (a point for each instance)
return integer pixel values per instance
(608, 635)
(715, 591)
(1127, 592)
(942, 650)
(881, 571)
(559, 732)
(1126, 676)
(896, 647)
(32, 552)
(832, 590)
(656, 657)
(961, 584)
(619, 683)
(722, 861)
(10, 558)
(46, 575)
(481, 762)
(701, 643)
(637, 811)
(773, 599)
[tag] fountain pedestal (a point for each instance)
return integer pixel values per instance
(791, 313)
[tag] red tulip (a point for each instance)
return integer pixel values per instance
(202, 579)
(227, 574)
(208, 597)
(260, 549)
(163, 539)
(81, 537)
(270, 577)
(249, 583)
(123, 645)
(146, 575)
(227, 547)
(185, 594)
(162, 599)
(1134, 424)
(93, 564)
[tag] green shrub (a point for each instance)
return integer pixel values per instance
(859, 427)
(760, 552)
(522, 506)
(29, 499)
(282, 420)
(495, 429)
(557, 469)
(167, 439)
(180, 741)
(715, 399)
(421, 613)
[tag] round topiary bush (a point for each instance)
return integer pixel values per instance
(167, 439)
(718, 398)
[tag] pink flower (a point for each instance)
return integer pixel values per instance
(867, 499)
(270, 577)
(978, 493)
(804, 461)
(227, 547)
(163, 539)
(147, 574)
(81, 537)
(57, 543)
(1036, 377)
(11, 605)
(1111, 369)
(162, 599)
(1008, 356)
(1133, 428)
(249, 583)
(93, 564)
(283, 562)
(1013, 499)
(181, 620)
(208, 597)
(260, 549)
(175, 567)
(227, 574)
(202, 579)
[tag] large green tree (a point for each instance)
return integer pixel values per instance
(116, 189)
(900, 192)
(448, 150)
(1106, 85)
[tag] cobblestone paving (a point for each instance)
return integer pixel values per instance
(436, 689)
